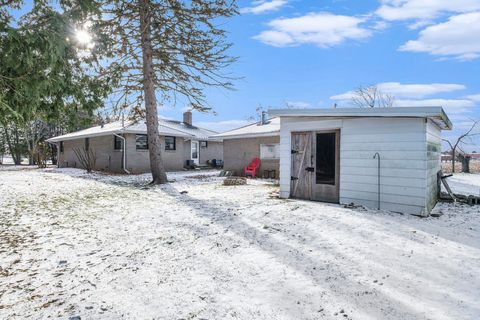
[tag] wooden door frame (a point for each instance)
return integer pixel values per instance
(312, 134)
(337, 159)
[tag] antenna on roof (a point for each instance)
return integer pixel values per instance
(123, 120)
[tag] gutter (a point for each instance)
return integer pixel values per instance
(124, 152)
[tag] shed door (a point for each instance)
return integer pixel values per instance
(301, 180)
(325, 160)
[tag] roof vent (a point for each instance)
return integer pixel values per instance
(187, 118)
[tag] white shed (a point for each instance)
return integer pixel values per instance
(385, 158)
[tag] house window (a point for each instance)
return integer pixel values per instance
(270, 151)
(141, 142)
(204, 144)
(61, 146)
(170, 143)
(87, 144)
(117, 143)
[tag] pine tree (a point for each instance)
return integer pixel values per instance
(167, 50)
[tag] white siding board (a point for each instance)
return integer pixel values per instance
(391, 137)
(395, 173)
(385, 146)
(384, 181)
(384, 189)
(384, 197)
(391, 155)
(395, 207)
(385, 163)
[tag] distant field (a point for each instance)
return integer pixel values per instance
(474, 166)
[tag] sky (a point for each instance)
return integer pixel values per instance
(312, 54)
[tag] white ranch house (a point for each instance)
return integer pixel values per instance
(328, 155)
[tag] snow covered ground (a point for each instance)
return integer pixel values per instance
(92, 246)
(464, 183)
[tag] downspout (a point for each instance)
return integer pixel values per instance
(124, 152)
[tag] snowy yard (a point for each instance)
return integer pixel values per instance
(74, 245)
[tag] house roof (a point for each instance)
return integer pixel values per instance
(436, 114)
(165, 127)
(269, 129)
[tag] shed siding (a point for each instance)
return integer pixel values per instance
(434, 141)
(401, 144)
(238, 153)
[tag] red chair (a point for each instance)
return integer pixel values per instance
(251, 169)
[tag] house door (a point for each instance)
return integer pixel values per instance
(315, 166)
(194, 152)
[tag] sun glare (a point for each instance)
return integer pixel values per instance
(83, 37)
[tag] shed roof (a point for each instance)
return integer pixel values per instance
(257, 129)
(436, 114)
(165, 127)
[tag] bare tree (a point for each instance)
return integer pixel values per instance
(371, 97)
(454, 145)
(86, 157)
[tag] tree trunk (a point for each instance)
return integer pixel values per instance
(18, 155)
(13, 152)
(154, 146)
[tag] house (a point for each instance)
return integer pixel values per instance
(122, 147)
(258, 140)
(385, 158)
(473, 155)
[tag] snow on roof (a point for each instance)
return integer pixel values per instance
(271, 128)
(197, 132)
(436, 114)
(107, 129)
(165, 127)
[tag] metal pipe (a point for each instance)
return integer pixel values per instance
(377, 156)
(124, 154)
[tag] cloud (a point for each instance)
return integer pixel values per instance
(458, 37)
(222, 126)
(414, 95)
(321, 29)
(297, 104)
(392, 10)
(264, 6)
(474, 97)
(400, 90)
(450, 105)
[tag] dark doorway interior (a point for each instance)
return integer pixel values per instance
(325, 158)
